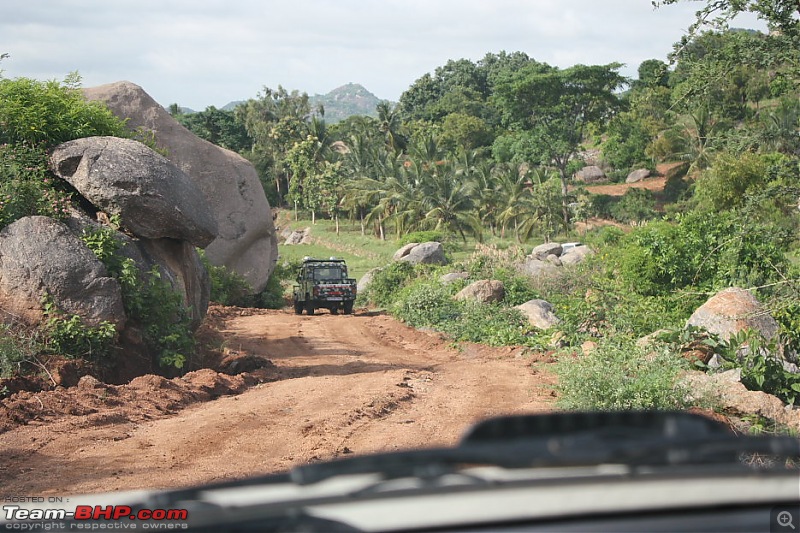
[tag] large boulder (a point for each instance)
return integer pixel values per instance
(404, 251)
(637, 175)
(483, 291)
(246, 241)
(123, 177)
(576, 255)
(731, 311)
(298, 237)
(452, 277)
(539, 313)
(590, 174)
(546, 249)
(427, 253)
(41, 258)
(537, 269)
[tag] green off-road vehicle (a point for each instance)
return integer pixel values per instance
(323, 283)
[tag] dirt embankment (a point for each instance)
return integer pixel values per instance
(312, 388)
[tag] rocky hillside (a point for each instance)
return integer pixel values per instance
(346, 101)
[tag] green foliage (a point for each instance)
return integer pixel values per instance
(71, 337)
(491, 324)
(165, 320)
(217, 126)
(635, 205)
(422, 236)
(227, 287)
(272, 297)
(724, 185)
(426, 304)
(627, 139)
(26, 187)
(700, 251)
(18, 347)
(620, 375)
(761, 365)
(385, 285)
(148, 300)
(49, 113)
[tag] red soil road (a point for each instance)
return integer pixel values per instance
(341, 384)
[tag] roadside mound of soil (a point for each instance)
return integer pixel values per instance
(68, 387)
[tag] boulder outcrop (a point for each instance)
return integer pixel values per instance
(151, 196)
(40, 258)
(427, 253)
(732, 310)
(539, 313)
(483, 291)
(246, 241)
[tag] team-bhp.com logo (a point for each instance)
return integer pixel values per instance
(88, 516)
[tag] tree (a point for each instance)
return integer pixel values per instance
(556, 107)
(780, 51)
(275, 121)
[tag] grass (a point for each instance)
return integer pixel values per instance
(363, 252)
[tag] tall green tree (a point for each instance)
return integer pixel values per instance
(275, 121)
(556, 107)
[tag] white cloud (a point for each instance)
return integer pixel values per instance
(214, 51)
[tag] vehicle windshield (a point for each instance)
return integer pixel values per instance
(332, 273)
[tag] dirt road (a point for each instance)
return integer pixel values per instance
(340, 385)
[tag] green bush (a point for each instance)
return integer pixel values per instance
(426, 303)
(26, 187)
(635, 205)
(760, 361)
(273, 295)
(227, 287)
(148, 300)
(47, 113)
(702, 252)
(18, 347)
(422, 236)
(385, 285)
(620, 375)
(492, 324)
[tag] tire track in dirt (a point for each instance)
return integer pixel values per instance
(345, 384)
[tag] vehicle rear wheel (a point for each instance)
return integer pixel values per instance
(348, 307)
(298, 308)
(335, 310)
(309, 306)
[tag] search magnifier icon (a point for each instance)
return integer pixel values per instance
(785, 519)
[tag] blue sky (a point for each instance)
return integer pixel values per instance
(209, 52)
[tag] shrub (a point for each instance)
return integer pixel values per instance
(703, 252)
(634, 206)
(599, 205)
(385, 285)
(148, 299)
(492, 324)
(26, 187)
(272, 297)
(620, 375)
(227, 287)
(48, 113)
(426, 303)
(18, 346)
(422, 236)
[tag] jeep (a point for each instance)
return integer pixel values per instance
(323, 283)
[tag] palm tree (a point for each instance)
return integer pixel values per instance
(390, 125)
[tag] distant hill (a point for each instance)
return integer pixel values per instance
(346, 101)
(340, 103)
(230, 106)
